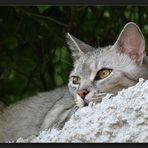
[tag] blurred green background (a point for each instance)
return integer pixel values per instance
(33, 53)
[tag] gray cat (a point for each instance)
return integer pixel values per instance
(96, 72)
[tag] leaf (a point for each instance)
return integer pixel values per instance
(11, 42)
(58, 80)
(42, 8)
(107, 14)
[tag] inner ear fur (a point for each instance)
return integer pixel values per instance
(131, 42)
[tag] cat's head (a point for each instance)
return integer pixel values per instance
(106, 70)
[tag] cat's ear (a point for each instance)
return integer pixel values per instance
(131, 42)
(76, 46)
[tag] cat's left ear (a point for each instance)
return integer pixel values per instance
(131, 42)
(77, 47)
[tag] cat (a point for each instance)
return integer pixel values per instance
(96, 72)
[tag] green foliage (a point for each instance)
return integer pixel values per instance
(42, 8)
(10, 42)
(34, 55)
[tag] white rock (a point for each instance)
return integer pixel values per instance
(122, 118)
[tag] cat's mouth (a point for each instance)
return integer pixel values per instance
(96, 98)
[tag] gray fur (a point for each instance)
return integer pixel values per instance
(127, 60)
(77, 47)
(27, 116)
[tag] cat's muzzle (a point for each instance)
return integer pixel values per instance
(95, 98)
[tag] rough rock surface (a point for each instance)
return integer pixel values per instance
(120, 118)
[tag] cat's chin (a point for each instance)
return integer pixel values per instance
(79, 101)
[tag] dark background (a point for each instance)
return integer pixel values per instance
(33, 53)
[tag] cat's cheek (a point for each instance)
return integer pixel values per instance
(94, 97)
(72, 88)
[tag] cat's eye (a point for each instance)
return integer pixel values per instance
(76, 79)
(103, 73)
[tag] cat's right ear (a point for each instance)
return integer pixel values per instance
(77, 47)
(131, 42)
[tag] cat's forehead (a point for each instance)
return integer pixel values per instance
(95, 60)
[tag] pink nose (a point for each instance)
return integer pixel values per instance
(82, 93)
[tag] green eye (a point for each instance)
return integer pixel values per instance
(103, 73)
(76, 80)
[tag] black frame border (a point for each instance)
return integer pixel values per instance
(73, 2)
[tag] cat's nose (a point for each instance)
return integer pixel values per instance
(82, 93)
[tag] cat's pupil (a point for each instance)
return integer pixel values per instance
(103, 72)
